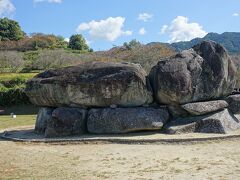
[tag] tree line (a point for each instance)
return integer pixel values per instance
(12, 37)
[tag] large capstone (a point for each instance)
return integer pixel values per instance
(123, 120)
(202, 73)
(44, 116)
(95, 84)
(221, 122)
(67, 121)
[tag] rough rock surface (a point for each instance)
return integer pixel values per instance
(201, 108)
(67, 121)
(95, 84)
(44, 116)
(202, 73)
(123, 120)
(220, 122)
(234, 103)
(177, 111)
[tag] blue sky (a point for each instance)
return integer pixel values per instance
(105, 23)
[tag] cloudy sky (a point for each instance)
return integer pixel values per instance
(105, 23)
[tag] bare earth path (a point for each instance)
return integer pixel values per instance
(208, 160)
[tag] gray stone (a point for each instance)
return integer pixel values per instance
(123, 120)
(201, 108)
(220, 122)
(234, 103)
(44, 115)
(177, 111)
(202, 73)
(67, 121)
(95, 84)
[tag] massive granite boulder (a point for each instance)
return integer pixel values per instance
(201, 108)
(67, 121)
(221, 122)
(44, 116)
(123, 120)
(95, 84)
(202, 73)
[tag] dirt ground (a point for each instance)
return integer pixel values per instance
(209, 160)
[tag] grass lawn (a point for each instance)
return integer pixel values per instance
(22, 120)
(26, 115)
(10, 76)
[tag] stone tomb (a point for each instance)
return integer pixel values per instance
(188, 92)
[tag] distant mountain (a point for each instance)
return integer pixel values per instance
(230, 40)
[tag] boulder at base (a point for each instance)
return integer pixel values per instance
(123, 120)
(202, 73)
(201, 108)
(44, 116)
(221, 122)
(95, 84)
(234, 103)
(67, 121)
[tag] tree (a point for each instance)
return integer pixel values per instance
(10, 30)
(132, 44)
(78, 42)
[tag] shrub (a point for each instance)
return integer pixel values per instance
(54, 59)
(10, 96)
(11, 61)
(29, 61)
(12, 89)
(35, 42)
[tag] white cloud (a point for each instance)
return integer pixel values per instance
(235, 14)
(108, 29)
(6, 7)
(142, 31)
(49, 1)
(182, 30)
(88, 42)
(66, 39)
(144, 17)
(164, 29)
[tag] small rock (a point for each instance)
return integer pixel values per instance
(201, 108)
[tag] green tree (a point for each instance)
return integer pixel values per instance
(132, 44)
(10, 30)
(78, 42)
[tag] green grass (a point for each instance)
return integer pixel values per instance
(22, 120)
(12, 76)
(26, 115)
